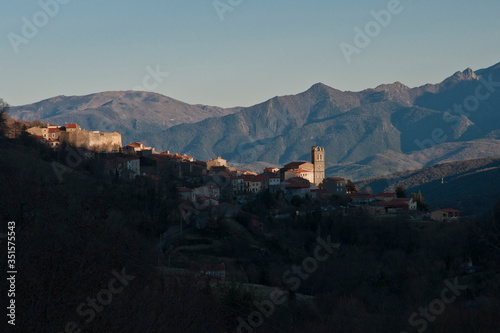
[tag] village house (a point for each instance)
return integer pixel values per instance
(128, 167)
(72, 127)
(335, 185)
(138, 148)
(392, 204)
(297, 169)
(251, 184)
(445, 215)
(271, 181)
(296, 173)
(237, 184)
(54, 133)
(272, 170)
(46, 133)
(296, 186)
(385, 196)
(176, 156)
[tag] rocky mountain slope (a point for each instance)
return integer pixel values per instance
(131, 113)
(365, 134)
(368, 133)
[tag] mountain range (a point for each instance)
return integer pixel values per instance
(132, 113)
(365, 134)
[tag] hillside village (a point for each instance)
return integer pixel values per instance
(214, 188)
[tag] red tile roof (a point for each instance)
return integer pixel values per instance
(71, 126)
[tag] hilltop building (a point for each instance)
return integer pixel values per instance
(218, 162)
(138, 148)
(318, 161)
(73, 134)
(313, 171)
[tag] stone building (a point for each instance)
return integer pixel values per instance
(313, 171)
(73, 135)
(335, 185)
(92, 140)
(318, 161)
(218, 162)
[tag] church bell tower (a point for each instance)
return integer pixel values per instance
(318, 161)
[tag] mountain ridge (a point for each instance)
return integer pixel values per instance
(356, 128)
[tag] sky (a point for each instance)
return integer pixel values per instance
(237, 52)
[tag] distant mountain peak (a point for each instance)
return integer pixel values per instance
(469, 74)
(320, 87)
(466, 75)
(392, 86)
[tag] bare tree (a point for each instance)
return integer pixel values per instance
(4, 108)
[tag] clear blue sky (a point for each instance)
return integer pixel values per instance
(261, 49)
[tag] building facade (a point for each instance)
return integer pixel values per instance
(335, 185)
